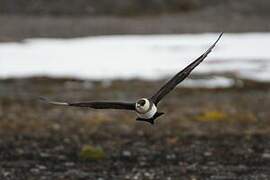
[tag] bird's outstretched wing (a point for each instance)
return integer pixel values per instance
(179, 77)
(95, 104)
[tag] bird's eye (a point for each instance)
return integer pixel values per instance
(141, 102)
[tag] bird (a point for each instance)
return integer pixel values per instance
(145, 108)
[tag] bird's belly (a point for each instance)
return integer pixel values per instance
(149, 114)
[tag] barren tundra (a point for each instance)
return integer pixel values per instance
(205, 133)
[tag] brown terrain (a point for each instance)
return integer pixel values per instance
(205, 133)
(217, 134)
(59, 19)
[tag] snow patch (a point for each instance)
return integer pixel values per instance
(138, 56)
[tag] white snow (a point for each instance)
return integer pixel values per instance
(215, 82)
(137, 56)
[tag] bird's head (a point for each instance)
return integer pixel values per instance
(142, 105)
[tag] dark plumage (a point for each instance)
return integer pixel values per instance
(146, 108)
(179, 77)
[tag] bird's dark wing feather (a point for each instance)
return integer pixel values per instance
(179, 77)
(95, 104)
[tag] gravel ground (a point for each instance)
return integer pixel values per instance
(205, 133)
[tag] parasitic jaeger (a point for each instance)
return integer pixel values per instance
(145, 108)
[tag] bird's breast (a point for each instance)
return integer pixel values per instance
(149, 114)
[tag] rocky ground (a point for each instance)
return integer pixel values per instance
(205, 133)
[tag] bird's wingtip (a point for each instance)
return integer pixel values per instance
(43, 99)
(46, 100)
(221, 34)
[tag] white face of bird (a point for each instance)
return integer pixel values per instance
(142, 105)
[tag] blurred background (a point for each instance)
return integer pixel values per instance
(216, 124)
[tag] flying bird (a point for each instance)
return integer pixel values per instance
(145, 108)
